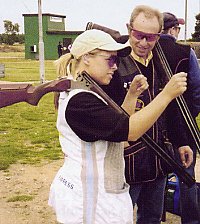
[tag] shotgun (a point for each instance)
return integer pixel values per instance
(114, 33)
(178, 169)
(13, 92)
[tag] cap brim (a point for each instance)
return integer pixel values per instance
(122, 51)
(181, 21)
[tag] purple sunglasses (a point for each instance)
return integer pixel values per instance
(139, 35)
(113, 59)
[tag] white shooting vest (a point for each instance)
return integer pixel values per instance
(90, 187)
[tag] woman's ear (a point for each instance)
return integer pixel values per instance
(86, 59)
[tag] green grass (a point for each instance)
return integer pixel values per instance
(20, 198)
(28, 134)
(20, 69)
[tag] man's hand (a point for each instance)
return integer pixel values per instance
(186, 155)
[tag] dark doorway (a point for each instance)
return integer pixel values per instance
(66, 43)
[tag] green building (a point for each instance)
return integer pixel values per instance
(53, 33)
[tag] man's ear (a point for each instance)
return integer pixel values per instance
(171, 31)
(128, 28)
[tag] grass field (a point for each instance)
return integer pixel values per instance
(27, 134)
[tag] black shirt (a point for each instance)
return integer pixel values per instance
(91, 119)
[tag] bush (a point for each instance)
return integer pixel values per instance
(10, 39)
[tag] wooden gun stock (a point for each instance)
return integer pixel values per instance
(114, 33)
(11, 93)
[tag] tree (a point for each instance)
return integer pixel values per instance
(196, 34)
(11, 30)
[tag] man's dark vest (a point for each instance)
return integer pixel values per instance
(144, 165)
(141, 164)
(178, 56)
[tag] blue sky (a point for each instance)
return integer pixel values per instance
(112, 13)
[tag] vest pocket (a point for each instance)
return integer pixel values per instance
(140, 164)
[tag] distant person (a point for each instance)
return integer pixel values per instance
(90, 187)
(182, 58)
(60, 49)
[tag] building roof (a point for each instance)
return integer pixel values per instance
(55, 32)
(44, 14)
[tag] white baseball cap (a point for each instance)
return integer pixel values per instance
(90, 40)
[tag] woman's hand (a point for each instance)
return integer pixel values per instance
(138, 85)
(176, 86)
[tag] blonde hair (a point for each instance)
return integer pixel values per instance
(66, 66)
(148, 12)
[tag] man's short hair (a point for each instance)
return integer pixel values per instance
(149, 13)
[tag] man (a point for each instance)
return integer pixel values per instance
(60, 49)
(172, 24)
(145, 171)
(189, 206)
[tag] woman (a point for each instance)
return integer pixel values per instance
(90, 187)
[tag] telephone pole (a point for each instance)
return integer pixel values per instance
(41, 43)
(185, 21)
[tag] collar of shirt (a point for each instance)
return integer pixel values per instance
(139, 59)
(167, 36)
(142, 60)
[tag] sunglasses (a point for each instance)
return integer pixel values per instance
(139, 35)
(112, 60)
(178, 28)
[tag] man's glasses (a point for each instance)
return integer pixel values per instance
(112, 60)
(139, 35)
(178, 28)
